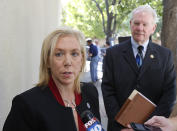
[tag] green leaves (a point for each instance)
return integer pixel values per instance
(81, 15)
(86, 16)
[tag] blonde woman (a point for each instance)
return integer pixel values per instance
(58, 99)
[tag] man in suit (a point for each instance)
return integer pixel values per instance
(148, 69)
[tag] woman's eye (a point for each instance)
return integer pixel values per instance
(58, 54)
(75, 54)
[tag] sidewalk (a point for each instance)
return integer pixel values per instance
(86, 78)
(104, 118)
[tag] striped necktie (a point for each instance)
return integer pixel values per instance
(139, 56)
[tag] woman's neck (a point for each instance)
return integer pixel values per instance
(66, 91)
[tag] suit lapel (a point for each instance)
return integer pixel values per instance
(129, 57)
(149, 57)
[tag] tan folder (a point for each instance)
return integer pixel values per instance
(137, 108)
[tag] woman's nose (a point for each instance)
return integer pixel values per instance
(68, 60)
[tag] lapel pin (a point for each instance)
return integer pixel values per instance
(88, 105)
(152, 56)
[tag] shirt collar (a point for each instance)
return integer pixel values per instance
(135, 46)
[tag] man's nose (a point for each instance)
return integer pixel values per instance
(140, 27)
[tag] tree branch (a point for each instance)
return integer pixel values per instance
(119, 2)
(107, 7)
(103, 22)
(113, 2)
(115, 23)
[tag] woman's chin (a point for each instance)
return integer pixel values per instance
(68, 81)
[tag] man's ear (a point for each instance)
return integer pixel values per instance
(130, 22)
(154, 28)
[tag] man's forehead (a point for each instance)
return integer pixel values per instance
(143, 13)
(142, 16)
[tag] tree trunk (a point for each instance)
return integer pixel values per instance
(169, 30)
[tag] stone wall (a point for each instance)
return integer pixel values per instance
(23, 26)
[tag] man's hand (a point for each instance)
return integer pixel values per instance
(90, 54)
(162, 122)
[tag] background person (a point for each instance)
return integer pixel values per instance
(155, 77)
(107, 45)
(93, 53)
(99, 50)
(58, 99)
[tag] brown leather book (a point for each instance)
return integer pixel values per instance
(137, 108)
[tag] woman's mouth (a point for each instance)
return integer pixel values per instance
(67, 74)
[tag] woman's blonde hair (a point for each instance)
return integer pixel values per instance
(48, 46)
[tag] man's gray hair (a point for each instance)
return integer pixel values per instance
(145, 8)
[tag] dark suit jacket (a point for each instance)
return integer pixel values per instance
(38, 110)
(155, 79)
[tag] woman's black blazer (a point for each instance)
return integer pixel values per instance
(38, 110)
